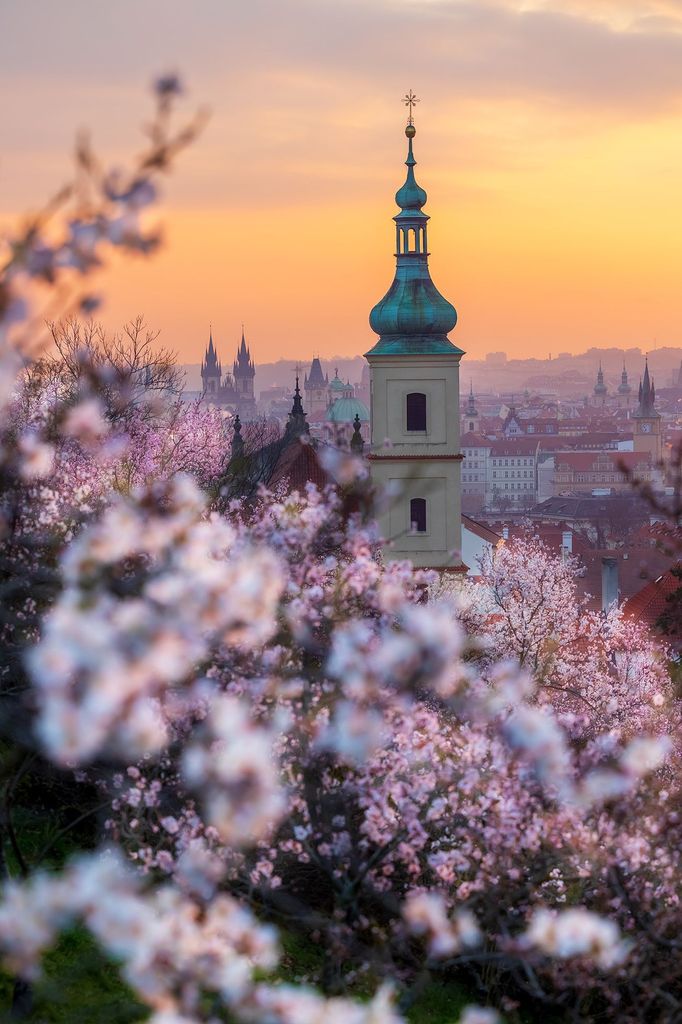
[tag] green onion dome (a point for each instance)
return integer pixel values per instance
(344, 410)
(413, 316)
(413, 309)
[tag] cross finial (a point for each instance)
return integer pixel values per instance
(409, 100)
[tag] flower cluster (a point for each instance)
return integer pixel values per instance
(146, 597)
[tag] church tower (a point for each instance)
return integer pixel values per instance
(211, 370)
(244, 372)
(624, 391)
(471, 418)
(315, 385)
(600, 389)
(647, 421)
(414, 374)
(297, 424)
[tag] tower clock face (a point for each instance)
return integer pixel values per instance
(646, 428)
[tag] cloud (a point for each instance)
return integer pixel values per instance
(305, 93)
(351, 47)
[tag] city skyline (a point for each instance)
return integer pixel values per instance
(548, 143)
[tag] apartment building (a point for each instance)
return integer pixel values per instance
(511, 473)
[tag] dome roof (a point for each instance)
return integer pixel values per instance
(344, 410)
(337, 384)
(413, 306)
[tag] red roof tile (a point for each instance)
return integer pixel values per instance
(473, 440)
(515, 446)
(649, 603)
(298, 465)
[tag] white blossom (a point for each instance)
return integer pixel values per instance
(577, 932)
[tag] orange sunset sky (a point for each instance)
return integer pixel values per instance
(549, 140)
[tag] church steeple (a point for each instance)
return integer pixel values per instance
(414, 392)
(297, 424)
(244, 371)
(647, 396)
(471, 405)
(600, 386)
(211, 370)
(413, 317)
(647, 420)
(243, 365)
(624, 387)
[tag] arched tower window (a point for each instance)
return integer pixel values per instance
(418, 514)
(416, 411)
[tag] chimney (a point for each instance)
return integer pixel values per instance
(505, 533)
(567, 542)
(609, 583)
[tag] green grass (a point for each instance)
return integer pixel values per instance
(79, 986)
(439, 1003)
(82, 986)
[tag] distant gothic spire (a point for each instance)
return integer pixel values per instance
(210, 365)
(211, 357)
(646, 385)
(647, 395)
(297, 424)
(243, 365)
(600, 386)
(315, 378)
(471, 405)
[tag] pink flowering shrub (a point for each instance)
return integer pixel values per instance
(413, 762)
(299, 729)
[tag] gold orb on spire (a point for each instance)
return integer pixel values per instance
(409, 99)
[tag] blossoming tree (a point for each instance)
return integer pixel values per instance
(274, 731)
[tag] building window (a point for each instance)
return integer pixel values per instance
(418, 514)
(416, 411)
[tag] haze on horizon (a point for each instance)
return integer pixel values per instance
(549, 140)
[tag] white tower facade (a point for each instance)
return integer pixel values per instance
(415, 444)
